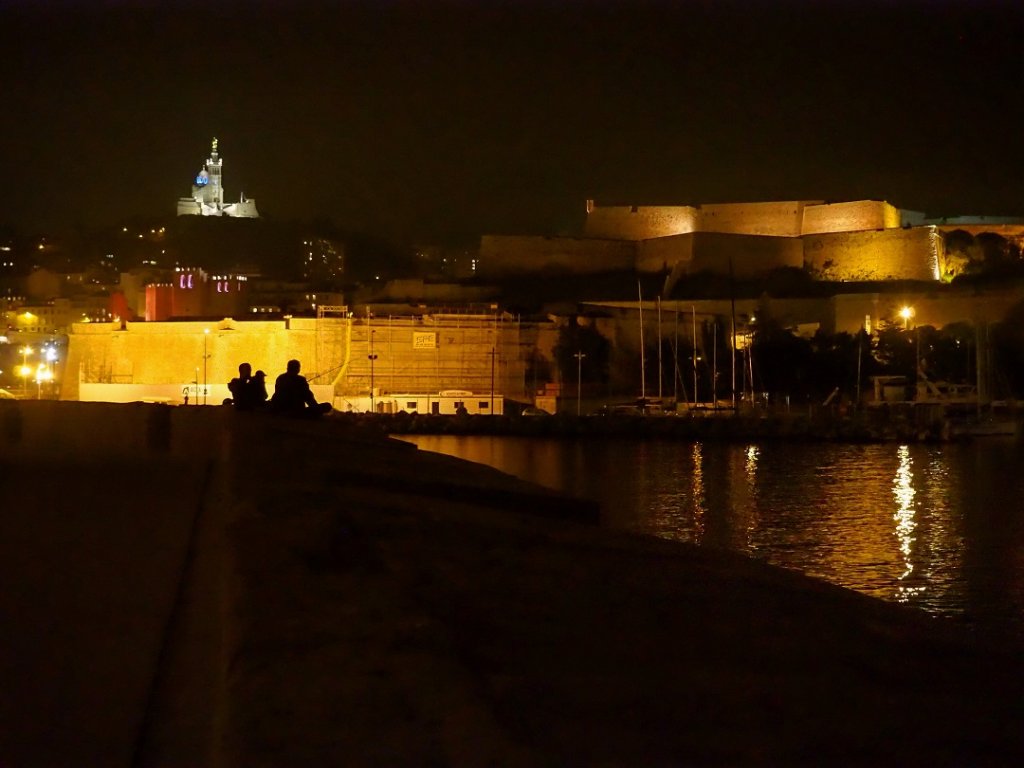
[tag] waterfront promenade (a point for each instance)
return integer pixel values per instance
(195, 586)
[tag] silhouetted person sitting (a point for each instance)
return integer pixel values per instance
(248, 392)
(256, 391)
(237, 386)
(292, 395)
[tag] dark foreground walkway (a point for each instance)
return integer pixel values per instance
(200, 587)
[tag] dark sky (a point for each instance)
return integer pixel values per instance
(425, 120)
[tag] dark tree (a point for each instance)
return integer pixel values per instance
(1007, 344)
(574, 338)
(783, 362)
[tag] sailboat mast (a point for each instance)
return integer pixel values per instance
(643, 375)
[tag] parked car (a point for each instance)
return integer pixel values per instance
(531, 411)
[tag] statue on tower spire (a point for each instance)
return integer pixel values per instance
(207, 198)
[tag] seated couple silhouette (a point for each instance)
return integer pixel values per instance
(292, 395)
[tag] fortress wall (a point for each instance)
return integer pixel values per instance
(156, 361)
(641, 222)
(664, 253)
(782, 219)
(170, 353)
(891, 254)
(751, 256)
(850, 217)
(511, 255)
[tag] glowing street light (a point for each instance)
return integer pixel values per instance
(25, 371)
(42, 374)
(372, 357)
(906, 313)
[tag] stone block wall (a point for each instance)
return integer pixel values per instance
(891, 254)
(641, 222)
(170, 353)
(157, 361)
(778, 219)
(850, 217)
(665, 253)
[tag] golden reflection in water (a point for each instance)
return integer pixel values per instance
(751, 465)
(904, 493)
(752, 456)
(698, 494)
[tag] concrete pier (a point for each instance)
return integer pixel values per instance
(194, 586)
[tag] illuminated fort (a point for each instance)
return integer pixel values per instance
(845, 241)
(207, 198)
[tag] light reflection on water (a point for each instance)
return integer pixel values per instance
(940, 527)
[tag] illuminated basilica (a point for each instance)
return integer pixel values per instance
(207, 198)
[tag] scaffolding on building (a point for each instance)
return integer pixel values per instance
(333, 343)
(428, 353)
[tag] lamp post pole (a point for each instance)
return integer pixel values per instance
(492, 381)
(206, 357)
(579, 377)
(371, 357)
(25, 352)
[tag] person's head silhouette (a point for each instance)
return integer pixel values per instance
(294, 366)
(244, 370)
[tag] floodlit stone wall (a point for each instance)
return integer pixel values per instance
(502, 255)
(641, 222)
(665, 253)
(159, 361)
(852, 216)
(891, 254)
(173, 353)
(777, 219)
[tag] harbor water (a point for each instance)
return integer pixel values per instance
(936, 526)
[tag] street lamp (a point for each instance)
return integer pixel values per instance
(579, 377)
(42, 374)
(206, 357)
(371, 357)
(25, 371)
(906, 313)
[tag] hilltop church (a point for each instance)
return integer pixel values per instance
(207, 197)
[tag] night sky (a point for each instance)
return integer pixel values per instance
(434, 121)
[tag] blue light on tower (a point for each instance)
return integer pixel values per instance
(202, 179)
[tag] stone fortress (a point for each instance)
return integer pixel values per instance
(863, 240)
(207, 197)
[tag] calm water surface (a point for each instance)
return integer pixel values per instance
(940, 527)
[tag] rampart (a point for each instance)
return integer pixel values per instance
(428, 354)
(891, 254)
(641, 222)
(749, 256)
(175, 353)
(852, 216)
(792, 218)
(775, 219)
